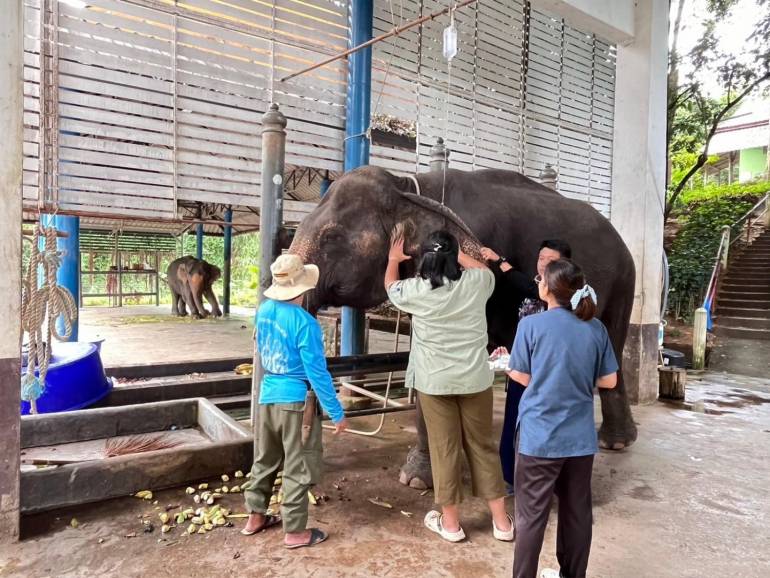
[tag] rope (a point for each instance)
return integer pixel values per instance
(41, 306)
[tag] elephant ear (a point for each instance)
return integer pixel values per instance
(440, 216)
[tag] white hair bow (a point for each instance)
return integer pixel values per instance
(580, 294)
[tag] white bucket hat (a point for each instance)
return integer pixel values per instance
(291, 278)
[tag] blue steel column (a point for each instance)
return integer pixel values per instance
(199, 241)
(356, 141)
(227, 258)
(68, 275)
(326, 182)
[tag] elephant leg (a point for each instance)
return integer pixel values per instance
(181, 306)
(174, 302)
(196, 292)
(187, 298)
(618, 430)
(212, 299)
(416, 472)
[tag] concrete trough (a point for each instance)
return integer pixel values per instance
(228, 446)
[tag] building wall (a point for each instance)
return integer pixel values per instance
(526, 89)
(161, 104)
(753, 162)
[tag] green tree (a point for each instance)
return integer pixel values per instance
(738, 74)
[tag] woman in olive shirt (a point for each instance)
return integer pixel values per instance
(448, 367)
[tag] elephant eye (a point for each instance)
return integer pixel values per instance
(332, 236)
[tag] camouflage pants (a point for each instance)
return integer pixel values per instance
(280, 443)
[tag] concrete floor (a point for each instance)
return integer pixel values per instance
(689, 499)
(742, 356)
(147, 334)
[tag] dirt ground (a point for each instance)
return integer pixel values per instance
(689, 499)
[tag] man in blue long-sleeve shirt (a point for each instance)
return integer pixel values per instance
(290, 344)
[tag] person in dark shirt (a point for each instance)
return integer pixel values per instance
(524, 286)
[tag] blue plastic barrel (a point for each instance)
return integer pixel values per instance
(75, 379)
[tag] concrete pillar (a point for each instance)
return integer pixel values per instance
(638, 185)
(11, 120)
(549, 177)
(439, 156)
(359, 99)
(270, 221)
(228, 254)
(700, 325)
(199, 241)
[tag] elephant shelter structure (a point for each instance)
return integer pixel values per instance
(145, 116)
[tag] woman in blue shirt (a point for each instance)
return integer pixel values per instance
(559, 356)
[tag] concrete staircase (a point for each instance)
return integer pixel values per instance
(743, 302)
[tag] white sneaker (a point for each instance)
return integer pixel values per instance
(433, 523)
(504, 536)
(550, 573)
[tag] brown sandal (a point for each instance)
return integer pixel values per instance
(269, 522)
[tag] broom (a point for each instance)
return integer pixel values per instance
(137, 444)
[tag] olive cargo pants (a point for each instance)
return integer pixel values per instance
(458, 424)
(280, 442)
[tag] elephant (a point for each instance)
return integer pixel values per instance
(347, 236)
(190, 279)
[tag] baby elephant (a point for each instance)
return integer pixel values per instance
(189, 280)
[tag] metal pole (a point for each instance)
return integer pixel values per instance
(11, 157)
(369, 41)
(359, 100)
(325, 184)
(439, 156)
(199, 241)
(549, 177)
(270, 220)
(68, 274)
(726, 231)
(227, 257)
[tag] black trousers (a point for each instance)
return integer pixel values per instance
(537, 480)
(508, 437)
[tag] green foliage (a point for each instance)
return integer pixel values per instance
(244, 271)
(244, 265)
(736, 190)
(694, 250)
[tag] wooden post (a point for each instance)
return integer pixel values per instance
(673, 381)
(699, 339)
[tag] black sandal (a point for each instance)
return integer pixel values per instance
(316, 537)
(269, 522)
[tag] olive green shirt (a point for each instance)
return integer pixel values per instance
(449, 332)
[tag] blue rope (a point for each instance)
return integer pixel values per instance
(32, 390)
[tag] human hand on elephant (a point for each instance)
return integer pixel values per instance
(396, 252)
(489, 255)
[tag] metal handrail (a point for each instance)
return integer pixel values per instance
(725, 244)
(748, 216)
(723, 247)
